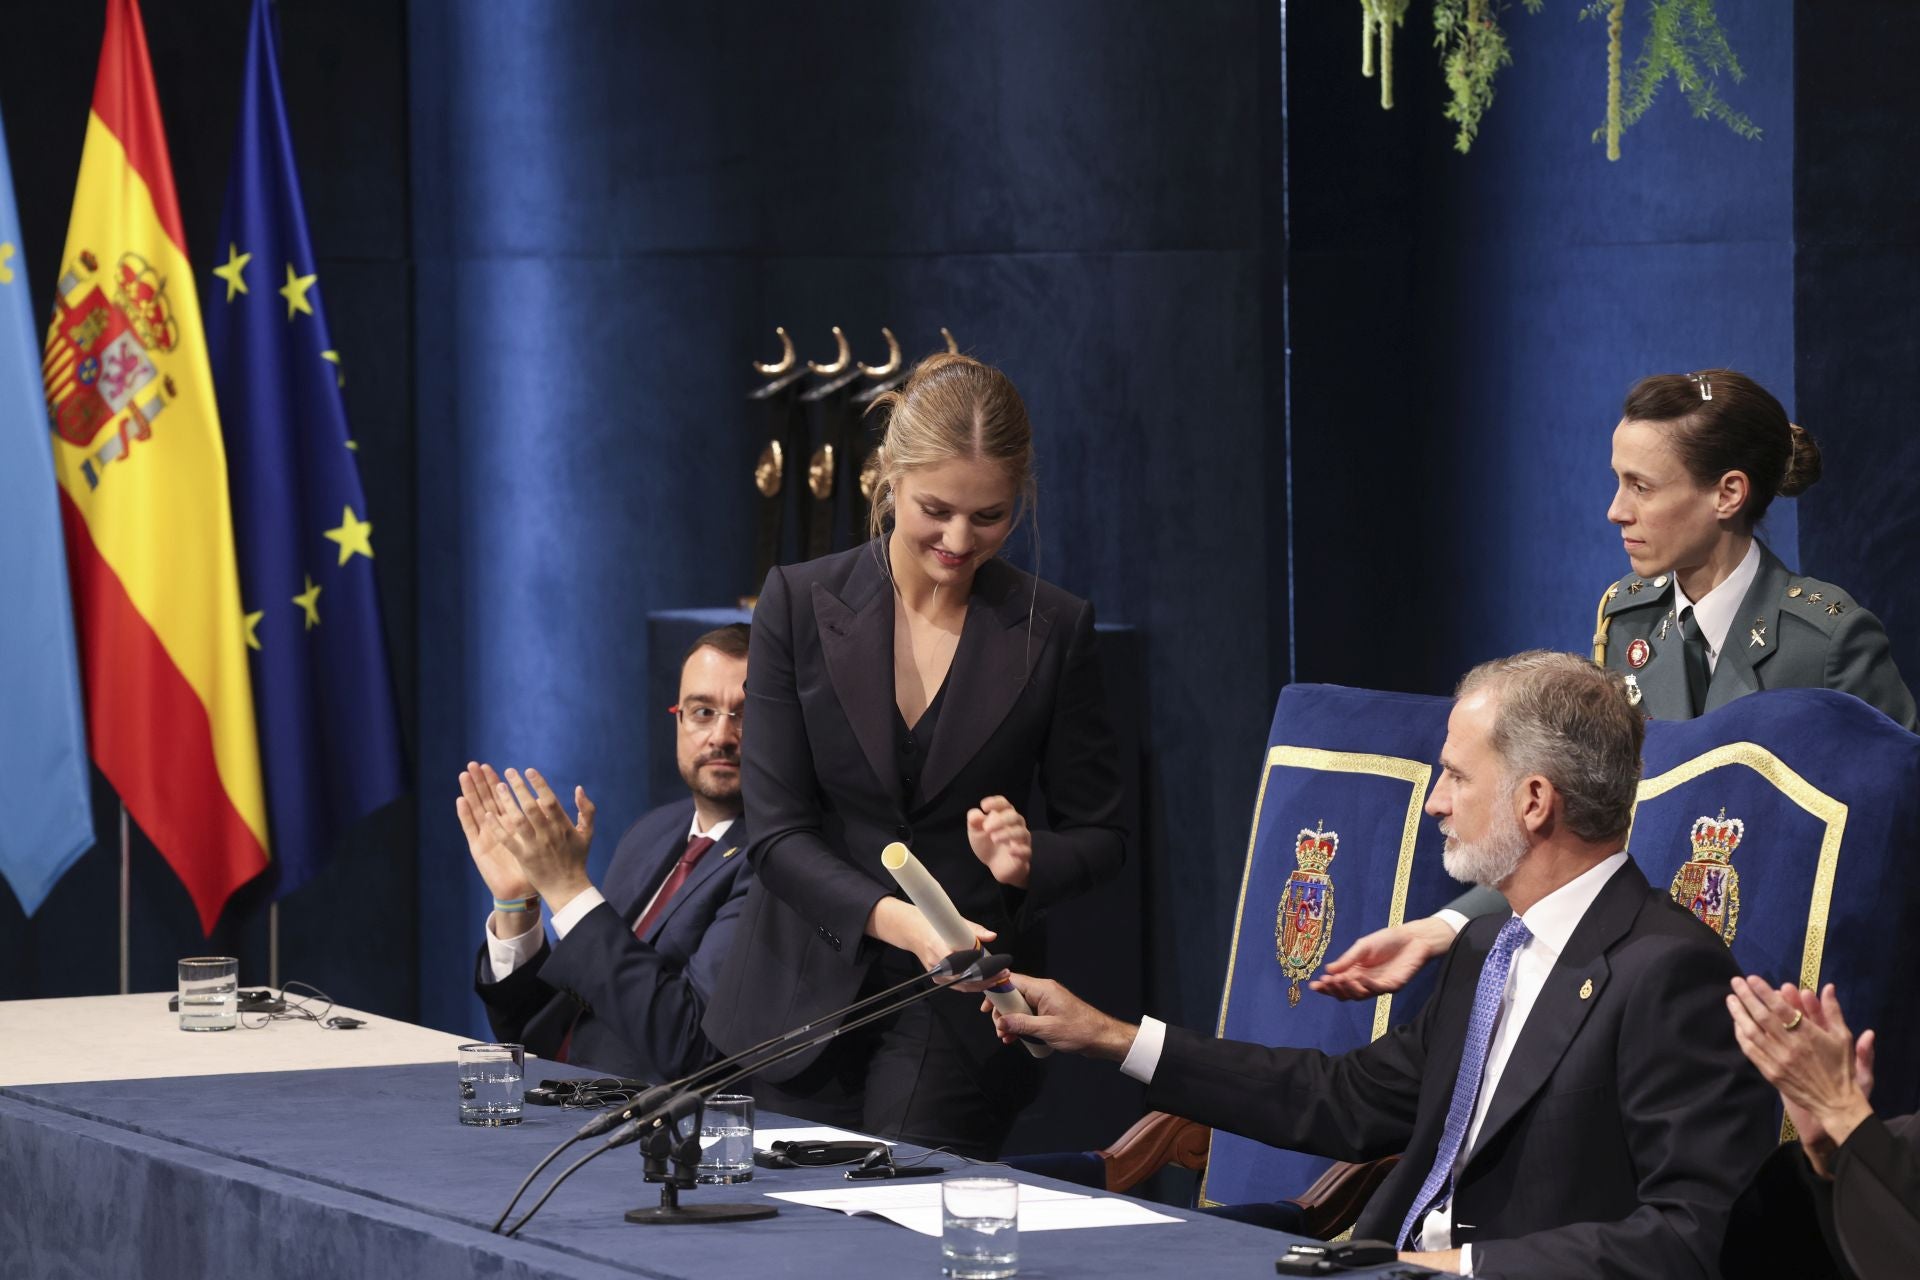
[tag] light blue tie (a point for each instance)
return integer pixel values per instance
(1473, 1061)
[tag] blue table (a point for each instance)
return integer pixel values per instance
(364, 1172)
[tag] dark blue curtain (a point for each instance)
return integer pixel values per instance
(1465, 328)
(615, 205)
(1316, 396)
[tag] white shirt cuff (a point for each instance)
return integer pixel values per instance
(575, 911)
(1455, 921)
(1144, 1056)
(1466, 1259)
(508, 954)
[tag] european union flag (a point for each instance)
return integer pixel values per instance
(323, 694)
(43, 738)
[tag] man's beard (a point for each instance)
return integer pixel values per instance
(710, 788)
(1491, 860)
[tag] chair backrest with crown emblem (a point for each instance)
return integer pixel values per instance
(1787, 820)
(1339, 847)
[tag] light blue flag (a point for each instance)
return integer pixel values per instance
(43, 737)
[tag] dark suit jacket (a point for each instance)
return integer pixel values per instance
(1813, 636)
(1863, 1225)
(639, 1000)
(1624, 1125)
(824, 795)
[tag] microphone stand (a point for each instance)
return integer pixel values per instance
(671, 1157)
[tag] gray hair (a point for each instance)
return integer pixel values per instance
(1560, 716)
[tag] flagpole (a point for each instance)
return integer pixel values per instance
(273, 945)
(126, 898)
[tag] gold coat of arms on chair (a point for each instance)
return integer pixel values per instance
(1706, 884)
(1304, 924)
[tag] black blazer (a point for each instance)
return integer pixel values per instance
(1624, 1125)
(823, 791)
(1863, 1225)
(639, 1000)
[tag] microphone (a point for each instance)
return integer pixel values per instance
(665, 1100)
(687, 1098)
(659, 1094)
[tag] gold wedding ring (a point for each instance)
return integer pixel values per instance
(1788, 1026)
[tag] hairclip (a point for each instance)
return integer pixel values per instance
(1706, 387)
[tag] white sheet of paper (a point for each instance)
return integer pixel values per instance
(917, 1207)
(764, 1139)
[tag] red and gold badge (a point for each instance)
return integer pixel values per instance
(1637, 654)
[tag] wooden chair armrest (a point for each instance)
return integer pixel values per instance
(1156, 1140)
(1336, 1197)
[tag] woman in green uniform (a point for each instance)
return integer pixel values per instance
(1709, 613)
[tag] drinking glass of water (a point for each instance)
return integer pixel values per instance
(492, 1080)
(980, 1228)
(726, 1139)
(209, 993)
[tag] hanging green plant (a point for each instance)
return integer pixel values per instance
(1378, 18)
(1473, 48)
(1683, 40)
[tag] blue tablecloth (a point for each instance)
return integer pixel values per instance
(365, 1172)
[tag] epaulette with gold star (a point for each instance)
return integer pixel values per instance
(1819, 603)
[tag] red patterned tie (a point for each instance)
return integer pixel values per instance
(675, 878)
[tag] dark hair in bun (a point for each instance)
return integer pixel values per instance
(1721, 421)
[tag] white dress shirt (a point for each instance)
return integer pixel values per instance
(1550, 921)
(508, 954)
(1717, 611)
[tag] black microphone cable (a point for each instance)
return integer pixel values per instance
(677, 1108)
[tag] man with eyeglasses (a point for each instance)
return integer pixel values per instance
(623, 988)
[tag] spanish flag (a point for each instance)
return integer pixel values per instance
(143, 482)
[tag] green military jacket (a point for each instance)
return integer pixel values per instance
(1792, 632)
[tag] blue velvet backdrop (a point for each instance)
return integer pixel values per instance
(1316, 396)
(615, 205)
(1476, 320)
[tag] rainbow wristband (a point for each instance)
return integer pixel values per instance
(529, 903)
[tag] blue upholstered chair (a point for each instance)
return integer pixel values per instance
(1339, 847)
(1789, 821)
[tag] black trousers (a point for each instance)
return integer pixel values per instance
(931, 1074)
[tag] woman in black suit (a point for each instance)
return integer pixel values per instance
(913, 689)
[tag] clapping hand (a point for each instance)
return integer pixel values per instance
(549, 848)
(1000, 839)
(478, 821)
(1802, 1045)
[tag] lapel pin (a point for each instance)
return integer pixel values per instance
(1586, 989)
(1660, 581)
(1637, 654)
(1635, 587)
(1633, 690)
(1815, 598)
(1757, 637)
(1837, 608)
(729, 853)
(1665, 623)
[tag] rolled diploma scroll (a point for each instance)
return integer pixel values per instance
(937, 907)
